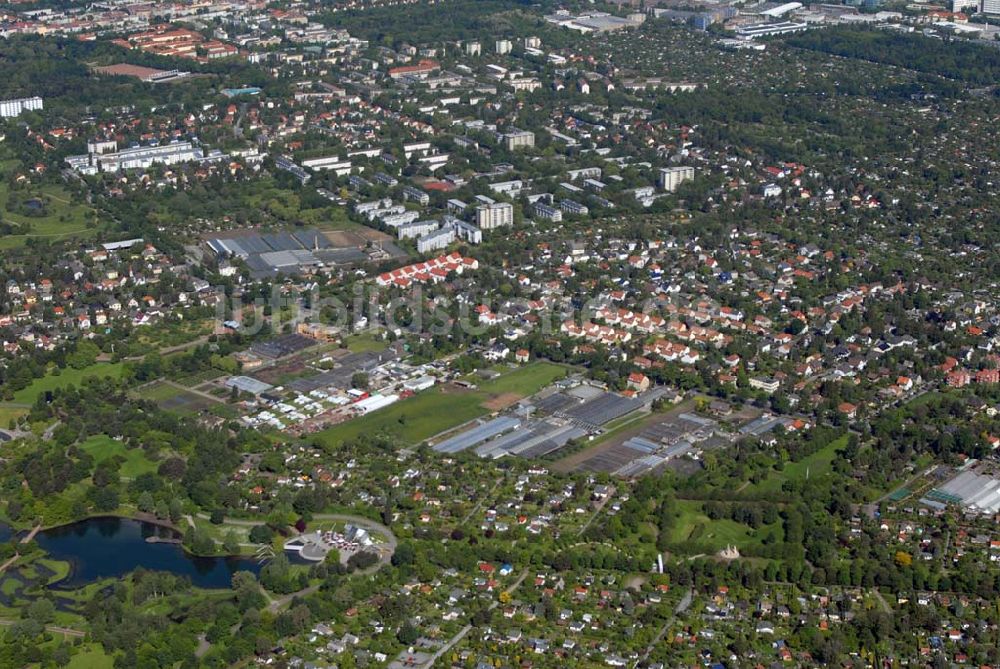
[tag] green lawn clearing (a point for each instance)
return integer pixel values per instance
(61, 218)
(66, 377)
(813, 467)
(101, 447)
(9, 413)
(693, 525)
(92, 656)
(363, 343)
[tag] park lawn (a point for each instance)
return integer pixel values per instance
(9, 586)
(101, 447)
(441, 408)
(9, 413)
(815, 467)
(66, 377)
(91, 656)
(693, 525)
(60, 568)
(63, 219)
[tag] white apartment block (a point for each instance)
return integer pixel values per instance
(416, 229)
(140, 158)
(329, 163)
(464, 231)
(549, 213)
(672, 177)
(515, 139)
(13, 108)
(496, 215)
(436, 240)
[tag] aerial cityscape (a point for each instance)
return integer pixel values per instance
(499, 334)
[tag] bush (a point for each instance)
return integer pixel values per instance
(261, 534)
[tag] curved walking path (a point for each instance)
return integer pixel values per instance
(65, 631)
(385, 549)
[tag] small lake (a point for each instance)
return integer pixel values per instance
(99, 548)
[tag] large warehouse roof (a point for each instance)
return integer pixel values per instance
(477, 435)
(246, 384)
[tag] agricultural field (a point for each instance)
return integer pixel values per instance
(172, 397)
(444, 407)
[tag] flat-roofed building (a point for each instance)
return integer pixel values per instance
(436, 240)
(463, 230)
(518, 139)
(495, 215)
(12, 108)
(416, 229)
(329, 163)
(672, 177)
(545, 211)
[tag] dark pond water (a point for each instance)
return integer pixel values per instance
(34, 203)
(99, 548)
